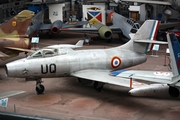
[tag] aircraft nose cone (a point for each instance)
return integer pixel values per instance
(10, 69)
(15, 69)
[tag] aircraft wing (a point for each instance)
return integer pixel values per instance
(115, 30)
(73, 24)
(152, 76)
(103, 76)
(3, 54)
(45, 27)
(20, 49)
(165, 25)
(82, 30)
(91, 30)
(10, 93)
(66, 25)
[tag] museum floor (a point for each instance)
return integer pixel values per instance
(66, 98)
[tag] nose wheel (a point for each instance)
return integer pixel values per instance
(39, 87)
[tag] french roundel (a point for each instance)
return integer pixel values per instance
(115, 62)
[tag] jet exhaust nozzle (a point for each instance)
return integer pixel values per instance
(56, 26)
(104, 31)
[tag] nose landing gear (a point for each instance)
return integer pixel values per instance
(39, 87)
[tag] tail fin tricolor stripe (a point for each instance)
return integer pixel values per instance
(152, 35)
(143, 40)
(174, 47)
(154, 30)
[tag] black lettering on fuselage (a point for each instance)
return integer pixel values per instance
(48, 68)
(52, 68)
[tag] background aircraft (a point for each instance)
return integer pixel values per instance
(12, 35)
(37, 25)
(169, 81)
(94, 64)
(122, 26)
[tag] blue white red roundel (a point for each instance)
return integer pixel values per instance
(115, 62)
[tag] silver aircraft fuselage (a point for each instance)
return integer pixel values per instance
(67, 61)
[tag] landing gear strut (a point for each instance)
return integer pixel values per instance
(98, 86)
(39, 87)
(84, 81)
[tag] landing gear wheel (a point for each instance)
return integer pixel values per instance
(40, 89)
(98, 86)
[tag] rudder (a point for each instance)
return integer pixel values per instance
(144, 37)
(17, 25)
(174, 48)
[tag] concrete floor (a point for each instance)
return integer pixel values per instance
(66, 98)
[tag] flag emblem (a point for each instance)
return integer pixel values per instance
(94, 15)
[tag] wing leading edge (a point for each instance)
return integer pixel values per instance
(103, 76)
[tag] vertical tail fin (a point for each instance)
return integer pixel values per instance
(142, 40)
(80, 43)
(174, 48)
(17, 25)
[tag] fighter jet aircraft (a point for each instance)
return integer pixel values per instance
(168, 81)
(56, 27)
(12, 35)
(124, 29)
(121, 25)
(95, 64)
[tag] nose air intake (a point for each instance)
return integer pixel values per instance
(6, 71)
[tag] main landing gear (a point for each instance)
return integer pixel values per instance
(97, 85)
(39, 87)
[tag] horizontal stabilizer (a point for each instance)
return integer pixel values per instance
(80, 43)
(150, 41)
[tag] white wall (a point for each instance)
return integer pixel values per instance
(56, 11)
(141, 9)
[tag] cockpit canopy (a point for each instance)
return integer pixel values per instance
(134, 24)
(47, 52)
